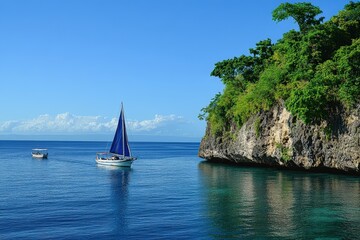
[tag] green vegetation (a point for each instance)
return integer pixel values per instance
(285, 152)
(303, 13)
(257, 127)
(328, 132)
(311, 70)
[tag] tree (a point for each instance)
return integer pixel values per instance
(249, 67)
(303, 13)
(348, 60)
(227, 70)
(349, 19)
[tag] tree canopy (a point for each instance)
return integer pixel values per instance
(303, 13)
(311, 70)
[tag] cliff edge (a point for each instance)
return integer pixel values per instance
(276, 138)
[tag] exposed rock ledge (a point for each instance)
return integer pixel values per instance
(276, 138)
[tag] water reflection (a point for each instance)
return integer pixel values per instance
(119, 181)
(244, 202)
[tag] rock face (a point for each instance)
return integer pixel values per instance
(276, 138)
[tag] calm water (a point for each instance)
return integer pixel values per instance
(169, 193)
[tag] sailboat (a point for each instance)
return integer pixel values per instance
(120, 153)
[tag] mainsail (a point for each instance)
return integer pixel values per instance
(120, 143)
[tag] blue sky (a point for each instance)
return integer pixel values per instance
(66, 65)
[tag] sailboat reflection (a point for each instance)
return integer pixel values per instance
(119, 181)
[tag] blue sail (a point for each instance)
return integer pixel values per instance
(120, 143)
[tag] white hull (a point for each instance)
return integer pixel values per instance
(119, 161)
(40, 155)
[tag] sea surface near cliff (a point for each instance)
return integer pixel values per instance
(169, 193)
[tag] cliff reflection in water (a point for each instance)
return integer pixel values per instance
(244, 202)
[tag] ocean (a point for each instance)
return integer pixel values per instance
(169, 193)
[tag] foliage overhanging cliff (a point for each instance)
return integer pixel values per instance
(310, 70)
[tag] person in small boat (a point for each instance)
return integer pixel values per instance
(114, 157)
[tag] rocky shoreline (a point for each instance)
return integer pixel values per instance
(277, 139)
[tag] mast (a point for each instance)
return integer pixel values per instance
(126, 146)
(123, 129)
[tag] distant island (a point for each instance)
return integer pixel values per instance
(294, 103)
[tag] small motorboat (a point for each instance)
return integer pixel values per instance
(39, 153)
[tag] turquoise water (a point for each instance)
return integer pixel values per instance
(169, 193)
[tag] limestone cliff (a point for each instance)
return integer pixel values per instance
(276, 138)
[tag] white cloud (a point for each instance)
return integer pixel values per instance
(8, 126)
(148, 125)
(67, 123)
(61, 123)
